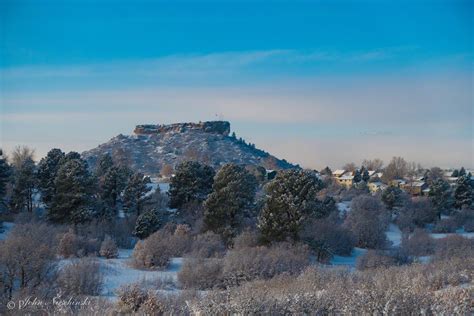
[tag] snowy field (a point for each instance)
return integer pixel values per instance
(118, 272)
(348, 261)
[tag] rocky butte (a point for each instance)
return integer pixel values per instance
(154, 148)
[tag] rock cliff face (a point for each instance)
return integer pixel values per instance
(216, 127)
(154, 148)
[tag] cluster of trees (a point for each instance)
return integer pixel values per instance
(68, 190)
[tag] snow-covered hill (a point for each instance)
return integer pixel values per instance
(152, 147)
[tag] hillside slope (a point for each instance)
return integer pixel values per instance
(153, 147)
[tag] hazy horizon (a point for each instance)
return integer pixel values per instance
(315, 83)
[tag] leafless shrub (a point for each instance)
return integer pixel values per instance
(246, 239)
(81, 277)
(152, 252)
(404, 290)
(447, 225)
(108, 248)
(131, 297)
(26, 257)
(245, 264)
(327, 238)
(201, 273)
(419, 243)
(156, 250)
(73, 245)
(375, 259)
(207, 245)
(367, 222)
(454, 246)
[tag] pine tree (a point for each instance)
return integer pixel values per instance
(232, 197)
(463, 195)
(72, 203)
(440, 195)
(135, 193)
(462, 172)
(365, 176)
(192, 182)
(103, 165)
(357, 176)
(25, 183)
(5, 174)
(291, 198)
(326, 171)
(392, 197)
(146, 224)
(109, 187)
(47, 170)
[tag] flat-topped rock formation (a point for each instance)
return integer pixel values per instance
(153, 148)
(216, 127)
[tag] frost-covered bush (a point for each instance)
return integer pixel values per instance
(454, 246)
(404, 290)
(245, 264)
(375, 259)
(419, 243)
(81, 277)
(327, 238)
(131, 297)
(367, 221)
(73, 245)
(246, 239)
(156, 250)
(201, 273)
(134, 299)
(153, 252)
(108, 248)
(447, 225)
(207, 245)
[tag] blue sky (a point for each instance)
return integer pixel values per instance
(316, 82)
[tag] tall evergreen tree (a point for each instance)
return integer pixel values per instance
(392, 197)
(24, 180)
(440, 195)
(462, 172)
(365, 176)
(291, 198)
(232, 196)
(192, 182)
(135, 193)
(103, 165)
(147, 223)
(5, 173)
(47, 171)
(463, 195)
(357, 176)
(72, 203)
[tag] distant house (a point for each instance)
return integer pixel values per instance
(338, 173)
(346, 180)
(399, 183)
(415, 188)
(376, 186)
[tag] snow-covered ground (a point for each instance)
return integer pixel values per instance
(394, 234)
(118, 272)
(5, 229)
(344, 207)
(348, 261)
(441, 235)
